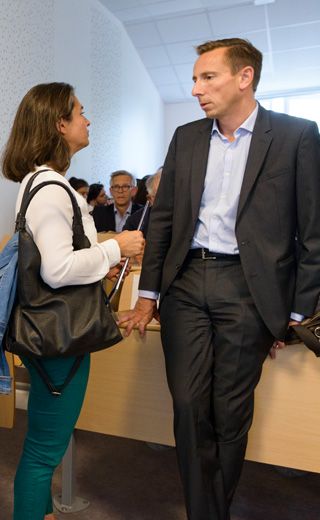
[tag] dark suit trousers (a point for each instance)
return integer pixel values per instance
(214, 344)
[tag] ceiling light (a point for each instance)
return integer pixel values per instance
(263, 2)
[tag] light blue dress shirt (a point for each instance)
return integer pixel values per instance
(120, 220)
(215, 228)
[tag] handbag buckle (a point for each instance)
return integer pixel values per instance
(317, 333)
(20, 222)
(56, 393)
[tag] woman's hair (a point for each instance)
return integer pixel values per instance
(94, 190)
(142, 193)
(78, 183)
(35, 139)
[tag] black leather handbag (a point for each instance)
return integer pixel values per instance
(307, 332)
(67, 321)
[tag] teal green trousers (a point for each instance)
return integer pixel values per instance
(51, 421)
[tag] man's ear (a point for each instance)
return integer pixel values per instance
(134, 191)
(246, 77)
(61, 126)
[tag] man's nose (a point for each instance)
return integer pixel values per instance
(196, 89)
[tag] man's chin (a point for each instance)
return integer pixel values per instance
(209, 113)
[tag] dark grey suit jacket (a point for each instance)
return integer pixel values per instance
(104, 218)
(133, 221)
(278, 220)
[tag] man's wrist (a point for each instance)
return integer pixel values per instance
(294, 316)
(150, 295)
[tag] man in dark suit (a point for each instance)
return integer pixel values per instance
(234, 250)
(114, 216)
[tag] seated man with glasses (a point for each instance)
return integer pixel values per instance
(114, 216)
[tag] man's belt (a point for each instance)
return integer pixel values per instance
(205, 254)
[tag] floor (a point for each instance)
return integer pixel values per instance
(130, 480)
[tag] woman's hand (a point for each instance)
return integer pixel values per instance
(131, 243)
(114, 271)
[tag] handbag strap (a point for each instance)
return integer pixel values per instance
(80, 240)
(56, 391)
(30, 181)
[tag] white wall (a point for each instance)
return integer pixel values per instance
(177, 114)
(25, 59)
(140, 113)
(80, 42)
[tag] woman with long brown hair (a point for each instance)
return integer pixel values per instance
(49, 128)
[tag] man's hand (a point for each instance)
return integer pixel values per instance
(145, 309)
(278, 345)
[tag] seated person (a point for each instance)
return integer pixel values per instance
(141, 195)
(80, 185)
(152, 184)
(114, 216)
(97, 195)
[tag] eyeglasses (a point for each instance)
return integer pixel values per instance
(118, 187)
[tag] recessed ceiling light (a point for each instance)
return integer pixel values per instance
(263, 2)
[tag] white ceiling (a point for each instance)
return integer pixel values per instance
(165, 32)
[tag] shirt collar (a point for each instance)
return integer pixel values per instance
(128, 210)
(247, 125)
(42, 166)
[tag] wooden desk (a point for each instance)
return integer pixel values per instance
(286, 427)
(127, 396)
(127, 393)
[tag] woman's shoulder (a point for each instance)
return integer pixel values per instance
(45, 174)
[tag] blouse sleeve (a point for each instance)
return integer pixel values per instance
(49, 218)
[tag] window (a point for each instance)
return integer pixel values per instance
(305, 105)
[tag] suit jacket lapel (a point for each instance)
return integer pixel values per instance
(113, 217)
(199, 166)
(260, 143)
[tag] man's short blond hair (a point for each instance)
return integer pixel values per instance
(239, 53)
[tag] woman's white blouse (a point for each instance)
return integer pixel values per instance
(49, 220)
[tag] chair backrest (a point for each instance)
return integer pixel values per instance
(7, 402)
